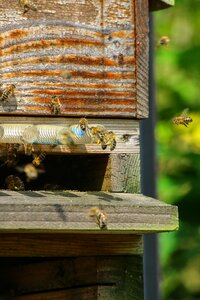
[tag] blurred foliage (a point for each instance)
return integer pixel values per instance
(177, 80)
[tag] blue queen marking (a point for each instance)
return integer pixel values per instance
(78, 131)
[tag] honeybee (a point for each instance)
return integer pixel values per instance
(183, 119)
(55, 105)
(7, 92)
(111, 140)
(126, 137)
(83, 124)
(78, 134)
(9, 155)
(66, 74)
(100, 216)
(99, 135)
(14, 183)
(163, 41)
(30, 170)
(65, 137)
(28, 149)
(38, 159)
(27, 5)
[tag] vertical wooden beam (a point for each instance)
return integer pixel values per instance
(122, 173)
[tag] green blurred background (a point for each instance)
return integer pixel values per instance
(177, 68)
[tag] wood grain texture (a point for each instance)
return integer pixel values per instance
(160, 4)
(82, 51)
(87, 293)
(68, 211)
(64, 245)
(122, 173)
(142, 56)
(100, 278)
(127, 134)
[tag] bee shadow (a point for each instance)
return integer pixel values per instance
(10, 104)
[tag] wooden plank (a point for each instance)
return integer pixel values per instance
(127, 135)
(55, 245)
(82, 51)
(122, 173)
(87, 293)
(160, 4)
(33, 275)
(126, 272)
(68, 211)
(105, 277)
(142, 56)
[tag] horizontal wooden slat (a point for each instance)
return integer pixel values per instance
(127, 134)
(87, 293)
(74, 278)
(68, 211)
(54, 245)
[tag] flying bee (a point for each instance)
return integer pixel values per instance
(111, 140)
(163, 41)
(99, 135)
(30, 170)
(55, 105)
(83, 123)
(27, 5)
(38, 159)
(101, 218)
(183, 119)
(14, 183)
(7, 92)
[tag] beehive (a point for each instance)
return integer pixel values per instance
(93, 56)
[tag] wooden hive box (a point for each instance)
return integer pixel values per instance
(93, 55)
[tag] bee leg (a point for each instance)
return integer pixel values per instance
(26, 9)
(103, 145)
(185, 124)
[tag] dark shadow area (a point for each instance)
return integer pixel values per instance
(59, 173)
(105, 196)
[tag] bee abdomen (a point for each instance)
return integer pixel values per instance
(79, 135)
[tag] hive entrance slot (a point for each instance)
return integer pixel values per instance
(59, 172)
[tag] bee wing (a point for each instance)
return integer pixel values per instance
(185, 112)
(20, 168)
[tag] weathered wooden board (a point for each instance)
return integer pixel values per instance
(68, 211)
(87, 293)
(92, 54)
(99, 278)
(64, 245)
(160, 4)
(122, 173)
(127, 135)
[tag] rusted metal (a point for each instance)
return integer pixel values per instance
(93, 55)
